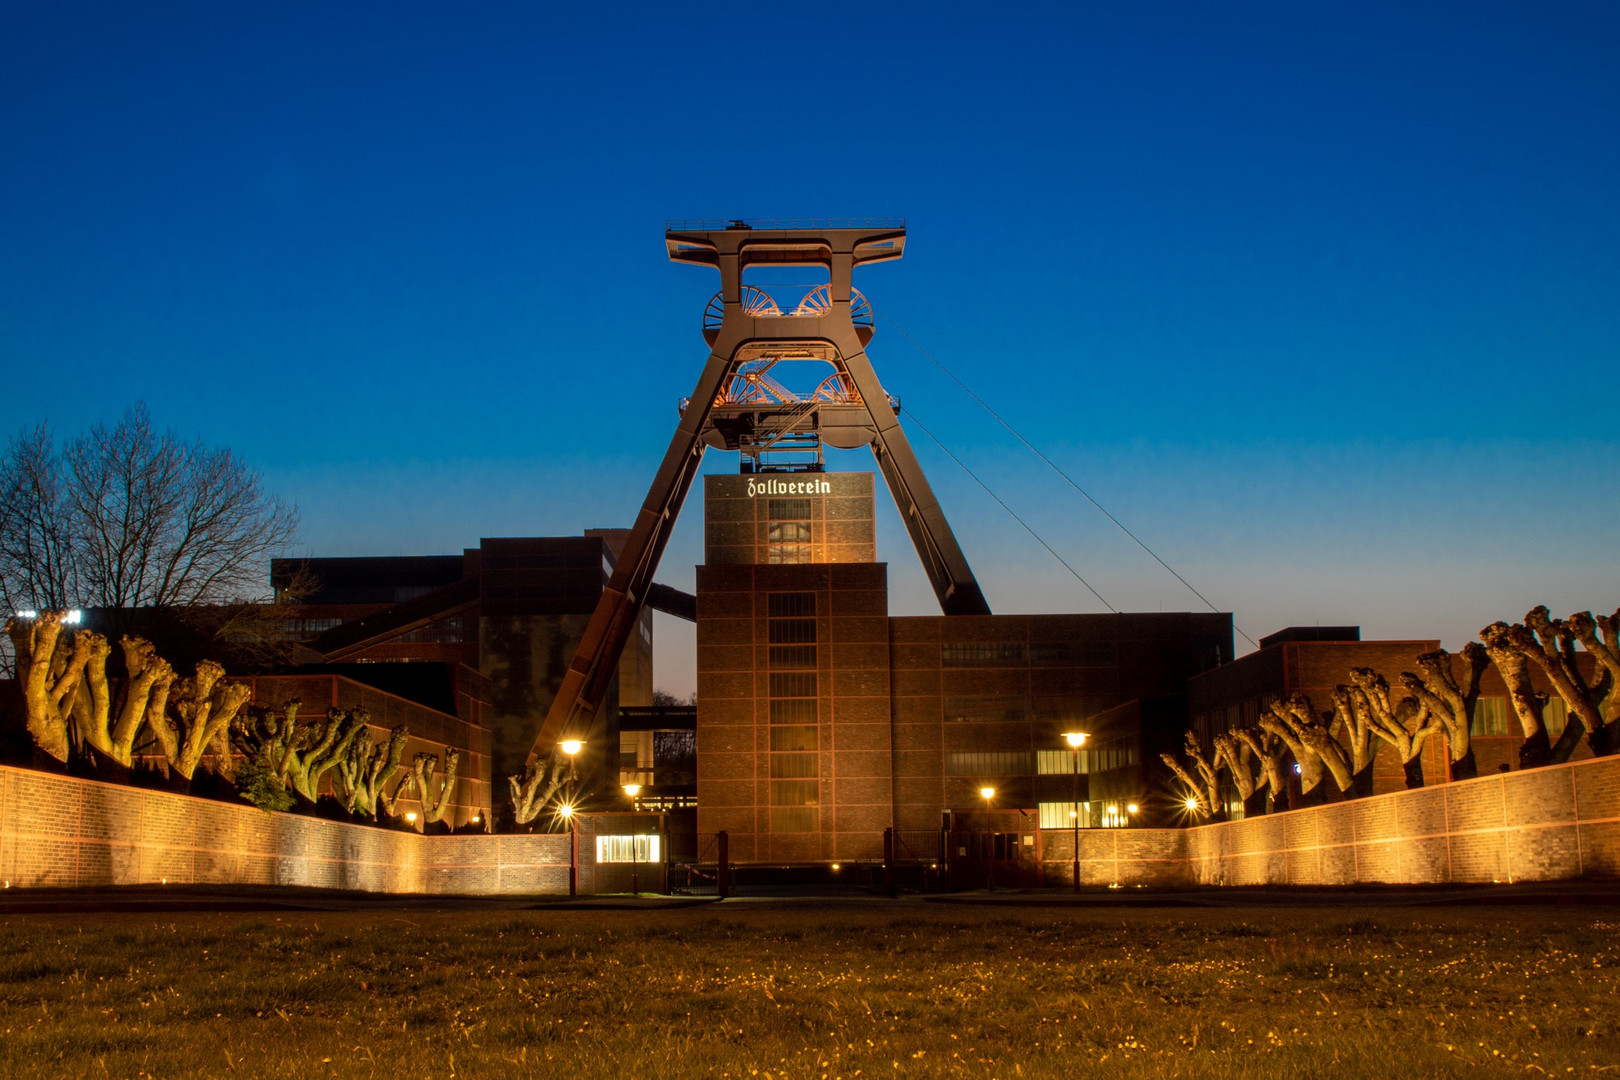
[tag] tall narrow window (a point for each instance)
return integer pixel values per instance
(787, 531)
(792, 687)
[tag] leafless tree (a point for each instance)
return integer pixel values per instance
(366, 770)
(1272, 753)
(50, 669)
(128, 516)
(1237, 757)
(1512, 662)
(1204, 789)
(202, 713)
(1405, 724)
(298, 752)
(435, 805)
(1449, 701)
(541, 784)
(110, 718)
(1358, 732)
(1592, 702)
(38, 568)
(1294, 720)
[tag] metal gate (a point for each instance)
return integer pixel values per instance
(706, 875)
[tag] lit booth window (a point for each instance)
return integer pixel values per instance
(641, 848)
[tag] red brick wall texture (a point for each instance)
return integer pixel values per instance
(1555, 823)
(58, 831)
(1559, 822)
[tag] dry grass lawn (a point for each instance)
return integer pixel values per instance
(805, 991)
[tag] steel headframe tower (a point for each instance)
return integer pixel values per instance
(736, 406)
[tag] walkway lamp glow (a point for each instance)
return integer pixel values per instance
(1076, 739)
(988, 793)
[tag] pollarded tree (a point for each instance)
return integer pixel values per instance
(298, 753)
(1240, 762)
(1272, 754)
(1293, 720)
(203, 709)
(543, 784)
(423, 767)
(1358, 729)
(1594, 701)
(50, 669)
(367, 768)
(109, 719)
(1405, 724)
(1451, 702)
(1529, 704)
(1204, 790)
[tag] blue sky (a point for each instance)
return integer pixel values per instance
(1320, 299)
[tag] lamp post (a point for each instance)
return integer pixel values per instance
(633, 790)
(567, 811)
(988, 793)
(1076, 739)
(571, 747)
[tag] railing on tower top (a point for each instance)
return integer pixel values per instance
(703, 225)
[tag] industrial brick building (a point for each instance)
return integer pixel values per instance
(822, 720)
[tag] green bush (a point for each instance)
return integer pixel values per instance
(262, 787)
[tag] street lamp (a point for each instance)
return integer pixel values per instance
(1076, 739)
(633, 790)
(988, 793)
(567, 811)
(571, 747)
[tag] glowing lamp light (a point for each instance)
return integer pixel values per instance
(566, 810)
(1297, 769)
(1191, 804)
(632, 790)
(410, 816)
(836, 867)
(476, 819)
(1131, 808)
(1075, 739)
(571, 746)
(1112, 809)
(987, 793)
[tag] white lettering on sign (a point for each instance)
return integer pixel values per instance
(788, 487)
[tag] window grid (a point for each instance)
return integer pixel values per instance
(794, 760)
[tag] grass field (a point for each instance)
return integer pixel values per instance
(772, 991)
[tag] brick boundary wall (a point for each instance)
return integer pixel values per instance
(1553, 823)
(60, 831)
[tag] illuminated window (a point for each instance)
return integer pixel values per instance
(787, 531)
(1490, 716)
(641, 848)
(1058, 762)
(987, 763)
(1554, 715)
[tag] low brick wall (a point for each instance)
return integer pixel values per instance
(1558, 822)
(65, 832)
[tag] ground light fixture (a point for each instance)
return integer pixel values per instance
(1076, 739)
